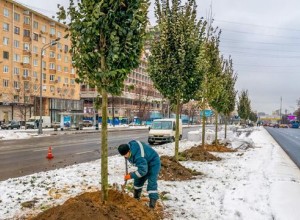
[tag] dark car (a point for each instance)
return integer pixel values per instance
(11, 125)
(276, 126)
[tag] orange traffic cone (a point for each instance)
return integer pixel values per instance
(49, 156)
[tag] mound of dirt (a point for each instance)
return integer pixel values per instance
(88, 206)
(172, 170)
(218, 148)
(198, 154)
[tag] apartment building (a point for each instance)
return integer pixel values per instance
(139, 100)
(29, 61)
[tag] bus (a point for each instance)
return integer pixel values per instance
(294, 124)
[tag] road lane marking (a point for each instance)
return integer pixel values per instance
(85, 152)
(42, 149)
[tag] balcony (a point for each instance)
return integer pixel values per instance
(52, 71)
(26, 39)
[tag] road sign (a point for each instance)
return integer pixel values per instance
(207, 113)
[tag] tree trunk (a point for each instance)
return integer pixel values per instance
(113, 110)
(177, 128)
(104, 155)
(226, 118)
(216, 128)
(203, 129)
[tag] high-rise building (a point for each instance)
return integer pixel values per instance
(140, 101)
(29, 59)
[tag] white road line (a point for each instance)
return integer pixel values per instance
(85, 152)
(42, 149)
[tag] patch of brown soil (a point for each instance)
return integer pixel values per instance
(198, 154)
(88, 206)
(172, 170)
(218, 148)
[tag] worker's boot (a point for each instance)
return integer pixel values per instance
(137, 194)
(152, 203)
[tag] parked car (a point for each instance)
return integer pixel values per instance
(87, 123)
(11, 125)
(283, 126)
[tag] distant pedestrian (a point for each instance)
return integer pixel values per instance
(37, 123)
(147, 162)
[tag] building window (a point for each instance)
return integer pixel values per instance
(25, 73)
(16, 84)
(5, 27)
(26, 20)
(26, 46)
(16, 71)
(5, 69)
(52, 54)
(59, 68)
(5, 82)
(66, 69)
(17, 30)
(35, 62)
(16, 98)
(35, 49)
(44, 76)
(66, 59)
(72, 81)
(5, 40)
(52, 77)
(52, 31)
(35, 24)
(52, 66)
(26, 33)
(58, 34)
(66, 80)
(16, 17)
(44, 28)
(43, 40)
(59, 56)
(17, 57)
(44, 64)
(5, 55)
(58, 79)
(35, 87)
(5, 12)
(16, 43)
(26, 59)
(66, 49)
(59, 45)
(27, 99)
(26, 85)
(34, 74)
(52, 89)
(44, 88)
(35, 37)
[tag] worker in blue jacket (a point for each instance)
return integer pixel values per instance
(147, 162)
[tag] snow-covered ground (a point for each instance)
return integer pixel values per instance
(255, 183)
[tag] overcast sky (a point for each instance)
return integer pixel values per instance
(263, 38)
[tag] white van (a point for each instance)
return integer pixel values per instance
(46, 122)
(163, 130)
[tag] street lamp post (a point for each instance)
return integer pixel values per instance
(40, 131)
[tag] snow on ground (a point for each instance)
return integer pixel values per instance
(255, 183)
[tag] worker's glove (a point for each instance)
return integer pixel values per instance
(127, 177)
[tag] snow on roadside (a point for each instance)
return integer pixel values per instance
(257, 183)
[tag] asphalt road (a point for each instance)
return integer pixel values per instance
(26, 156)
(289, 140)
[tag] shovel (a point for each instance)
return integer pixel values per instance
(126, 172)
